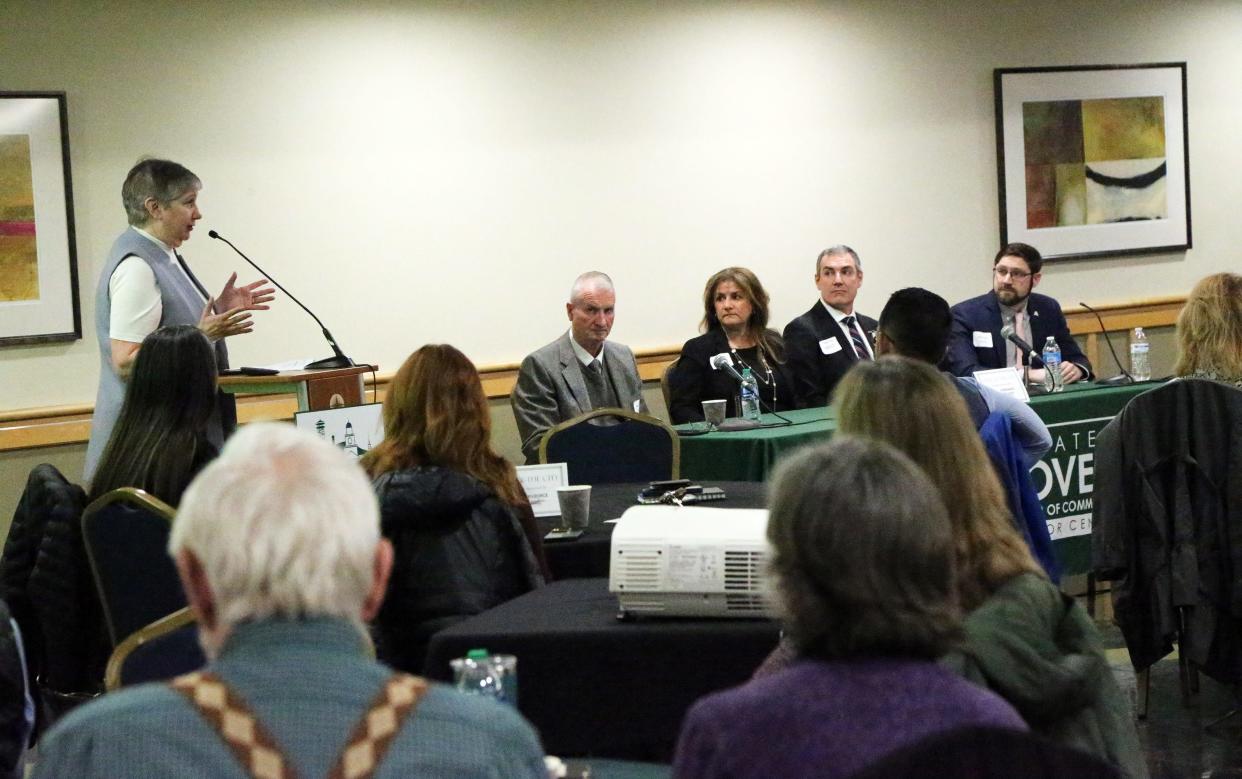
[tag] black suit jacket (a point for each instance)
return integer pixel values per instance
(814, 373)
(692, 381)
(983, 315)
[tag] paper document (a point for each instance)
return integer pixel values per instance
(1004, 380)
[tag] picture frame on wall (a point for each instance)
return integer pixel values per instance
(1093, 161)
(38, 256)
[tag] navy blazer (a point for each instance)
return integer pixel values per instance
(814, 373)
(983, 315)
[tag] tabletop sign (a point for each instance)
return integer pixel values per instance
(1006, 381)
(540, 483)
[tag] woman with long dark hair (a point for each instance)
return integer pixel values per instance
(160, 439)
(464, 535)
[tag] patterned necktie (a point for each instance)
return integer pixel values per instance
(856, 338)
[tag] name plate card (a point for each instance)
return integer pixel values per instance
(1004, 380)
(541, 483)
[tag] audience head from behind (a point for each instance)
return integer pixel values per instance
(1209, 330)
(281, 526)
(839, 275)
(436, 414)
(873, 575)
(912, 406)
(591, 309)
(160, 438)
(915, 323)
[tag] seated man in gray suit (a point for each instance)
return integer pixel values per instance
(578, 372)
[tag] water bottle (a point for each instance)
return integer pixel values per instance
(1140, 356)
(1052, 365)
(750, 396)
(490, 676)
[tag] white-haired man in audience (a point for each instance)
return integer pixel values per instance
(278, 546)
(578, 372)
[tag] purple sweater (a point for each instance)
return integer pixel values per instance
(829, 719)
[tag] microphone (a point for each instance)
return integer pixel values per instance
(338, 360)
(1125, 377)
(1012, 337)
(723, 362)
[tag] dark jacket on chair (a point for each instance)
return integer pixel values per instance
(1167, 523)
(459, 551)
(47, 582)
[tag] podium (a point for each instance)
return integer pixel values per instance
(315, 390)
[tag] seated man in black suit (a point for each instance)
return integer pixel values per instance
(822, 344)
(977, 342)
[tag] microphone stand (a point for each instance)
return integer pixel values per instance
(338, 358)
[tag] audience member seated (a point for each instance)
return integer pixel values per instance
(278, 547)
(465, 536)
(735, 323)
(864, 579)
(1209, 331)
(160, 439)
(1024, 639)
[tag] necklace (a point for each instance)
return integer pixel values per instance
(763, 376)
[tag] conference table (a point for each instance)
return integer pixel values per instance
(1062, 477)
(596, 685)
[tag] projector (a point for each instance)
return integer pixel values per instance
(690, 561)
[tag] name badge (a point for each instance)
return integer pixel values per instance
(638, 406)
(981, 339)
(830, 345)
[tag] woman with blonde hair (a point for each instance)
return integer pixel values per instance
(462, 529)
(1024, 639)
(1209, 331)
(735, 323)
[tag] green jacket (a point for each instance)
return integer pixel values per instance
(1038, 649)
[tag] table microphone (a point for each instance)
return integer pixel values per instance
(1124, 377)
(1007, 332)
(338, 360)
(723, 362)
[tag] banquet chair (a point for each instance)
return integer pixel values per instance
(126, 534)
(638, 448)
(665, 390)
(160, 651)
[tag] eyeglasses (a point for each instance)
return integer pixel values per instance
(1012, 273)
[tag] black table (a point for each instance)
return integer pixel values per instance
(593, 685)
(587, 556)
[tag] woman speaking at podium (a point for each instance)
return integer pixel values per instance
(146, 284)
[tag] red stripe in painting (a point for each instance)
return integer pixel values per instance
(17, 228)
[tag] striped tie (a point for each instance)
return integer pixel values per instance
(856, 338)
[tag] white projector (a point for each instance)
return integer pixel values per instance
(690, 561)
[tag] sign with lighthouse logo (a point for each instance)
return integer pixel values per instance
(355, 429)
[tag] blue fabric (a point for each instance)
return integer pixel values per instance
(309, 683)
(1006, 454)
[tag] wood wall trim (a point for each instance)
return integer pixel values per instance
(32, 428)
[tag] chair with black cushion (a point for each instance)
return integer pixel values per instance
(637, 448)
(160, 651)
(126, 533)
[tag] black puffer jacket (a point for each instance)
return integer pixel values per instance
(15, 721)
(459, 551)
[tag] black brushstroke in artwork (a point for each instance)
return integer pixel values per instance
(1141, 181)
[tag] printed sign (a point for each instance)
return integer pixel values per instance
(1065, 479)
(540, 483)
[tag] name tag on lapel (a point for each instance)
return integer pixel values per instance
(830, 345)
(638, 407)
(981, 339)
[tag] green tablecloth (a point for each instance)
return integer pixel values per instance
(1063, 477)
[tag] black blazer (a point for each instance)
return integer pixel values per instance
(816, 374)
(983, 315)
(693, 380)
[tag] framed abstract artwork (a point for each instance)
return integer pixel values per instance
(38, 259)
(1093, 161)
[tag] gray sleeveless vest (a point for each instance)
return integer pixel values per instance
(182, 305)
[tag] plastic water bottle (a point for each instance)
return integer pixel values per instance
(1140, 356)
(1052, 365)
(490, 676)
(750, 396)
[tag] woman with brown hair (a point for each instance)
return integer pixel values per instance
(462, 529)
(1209, 331)
(735, 323)
(1024, 639)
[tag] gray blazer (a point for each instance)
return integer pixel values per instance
(550, 389)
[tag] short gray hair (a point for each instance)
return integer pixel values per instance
(840, 250)
(163, 180)
(592, 279)
(862, 569)
(284, 525)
